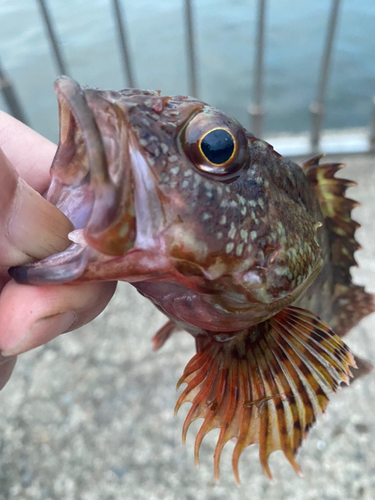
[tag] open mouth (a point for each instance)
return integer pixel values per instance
(92, 184)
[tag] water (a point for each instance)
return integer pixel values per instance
(225, 39)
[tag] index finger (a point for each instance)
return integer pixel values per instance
(30, 153)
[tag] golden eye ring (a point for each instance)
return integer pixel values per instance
(218, 146)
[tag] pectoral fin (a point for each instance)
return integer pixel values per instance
(266, 385)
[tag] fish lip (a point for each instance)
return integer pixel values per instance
(69, 92)
(112, 203)
(75, 113)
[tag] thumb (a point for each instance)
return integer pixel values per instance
(30, 227)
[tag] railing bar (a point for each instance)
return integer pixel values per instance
(317, 108)
(372, 128)
(60, 63)
(123, 42)
(190, 47)
(256, 109)
(10, 97)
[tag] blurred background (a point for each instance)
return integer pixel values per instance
(89, 416)
(267, 63)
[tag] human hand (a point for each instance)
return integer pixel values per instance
(30, 229)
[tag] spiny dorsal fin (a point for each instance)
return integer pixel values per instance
(350, 302)
(336, 209)
(266, 385)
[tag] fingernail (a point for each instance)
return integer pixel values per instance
(6, 368)
(42, 331)
(36, 227)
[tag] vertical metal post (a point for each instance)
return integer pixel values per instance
(317, 107)
(256, 109)
(372, 128)
(59, 61)
(10, 97)
(190, 46)
(123, 42)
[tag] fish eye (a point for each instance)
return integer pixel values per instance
(217, 146)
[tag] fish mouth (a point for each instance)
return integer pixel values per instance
(92, 184)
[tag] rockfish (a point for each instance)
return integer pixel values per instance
(245, 250)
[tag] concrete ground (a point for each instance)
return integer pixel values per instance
(90, 415)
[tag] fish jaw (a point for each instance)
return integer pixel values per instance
(103, 184)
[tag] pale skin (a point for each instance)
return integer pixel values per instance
(31, 229)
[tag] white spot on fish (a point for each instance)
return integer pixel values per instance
(185, 184)
(229, 247)
(223, 220)
(232, 231)
(197, 180)
(244, 235)
(173, 158)
(241, 199)
(239, 249)
(164, 147)
(175, 170)
(253, 235)
(219, 235)
(206, 216)
(188, 173)
(243, 210)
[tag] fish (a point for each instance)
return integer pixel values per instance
(245, 250)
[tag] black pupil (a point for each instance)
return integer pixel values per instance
(217, 146)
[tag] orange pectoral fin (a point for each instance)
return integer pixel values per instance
(266, 385)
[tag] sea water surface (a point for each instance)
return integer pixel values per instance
(225, 32)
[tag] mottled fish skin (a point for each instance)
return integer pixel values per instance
(237, 248)
(222, 248)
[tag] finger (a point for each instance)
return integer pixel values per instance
(6, 368)
(30, 226)
(30, 153)
(32, 316)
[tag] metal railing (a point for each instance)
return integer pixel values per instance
(317, 138)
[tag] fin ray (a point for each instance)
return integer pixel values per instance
(266, 385)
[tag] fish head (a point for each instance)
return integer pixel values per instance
(171, 189)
